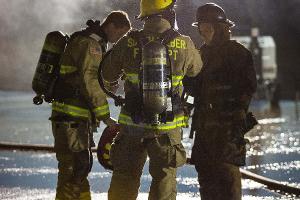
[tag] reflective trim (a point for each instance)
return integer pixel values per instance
(179, 121)
(175, 77)
(107, 146)
(176, 83)
(133, 78)
(67, 69)
(101, 111)
(155, 61)
(106, 156)
(70, 110)
(177, 80)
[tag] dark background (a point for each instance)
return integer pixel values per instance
(25, 23)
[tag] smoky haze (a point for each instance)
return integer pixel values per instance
(24, 25)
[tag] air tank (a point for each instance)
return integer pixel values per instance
(47, 69)
(155, 81)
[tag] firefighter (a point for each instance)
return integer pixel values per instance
(80, 104)
(222, 92)
(144, 133)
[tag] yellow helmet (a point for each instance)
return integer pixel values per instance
(150, 7)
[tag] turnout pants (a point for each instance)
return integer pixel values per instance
(128, 155)
(218, 179)
(73, 153)
(219, 182)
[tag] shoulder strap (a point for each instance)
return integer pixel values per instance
(169, 35)
(95, 37)
(76, 34)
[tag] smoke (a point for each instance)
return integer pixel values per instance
(24, 25)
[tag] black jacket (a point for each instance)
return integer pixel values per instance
(222, 92)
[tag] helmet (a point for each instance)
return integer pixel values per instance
(150, 7)
(212, 13)
(104, 146)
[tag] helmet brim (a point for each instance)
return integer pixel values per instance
(229, 22)
(195, 24)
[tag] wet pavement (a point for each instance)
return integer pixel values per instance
(274, 153)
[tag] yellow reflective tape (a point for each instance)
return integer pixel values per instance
(155, 61)
(176, 83)
(177, 80)
(106, 156)
(174, 77)
(107, 146)
(133, 78)
(101, 111)
(177, 122)
(105, 107)
(70, 110)
(67, 69)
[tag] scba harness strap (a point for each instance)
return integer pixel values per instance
(65, 90)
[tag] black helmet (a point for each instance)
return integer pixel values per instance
(212, 13)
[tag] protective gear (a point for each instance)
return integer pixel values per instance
(219, 181)
(128, 155)
(82, 165)
(72, 147)
(222, 92)
(78, 72)
(155, 82)
(212, 13)
(47, 70)
(104, 146)
(151, 7)
(178, 46)
(155, 102)
(79, 106)
(161, 142)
